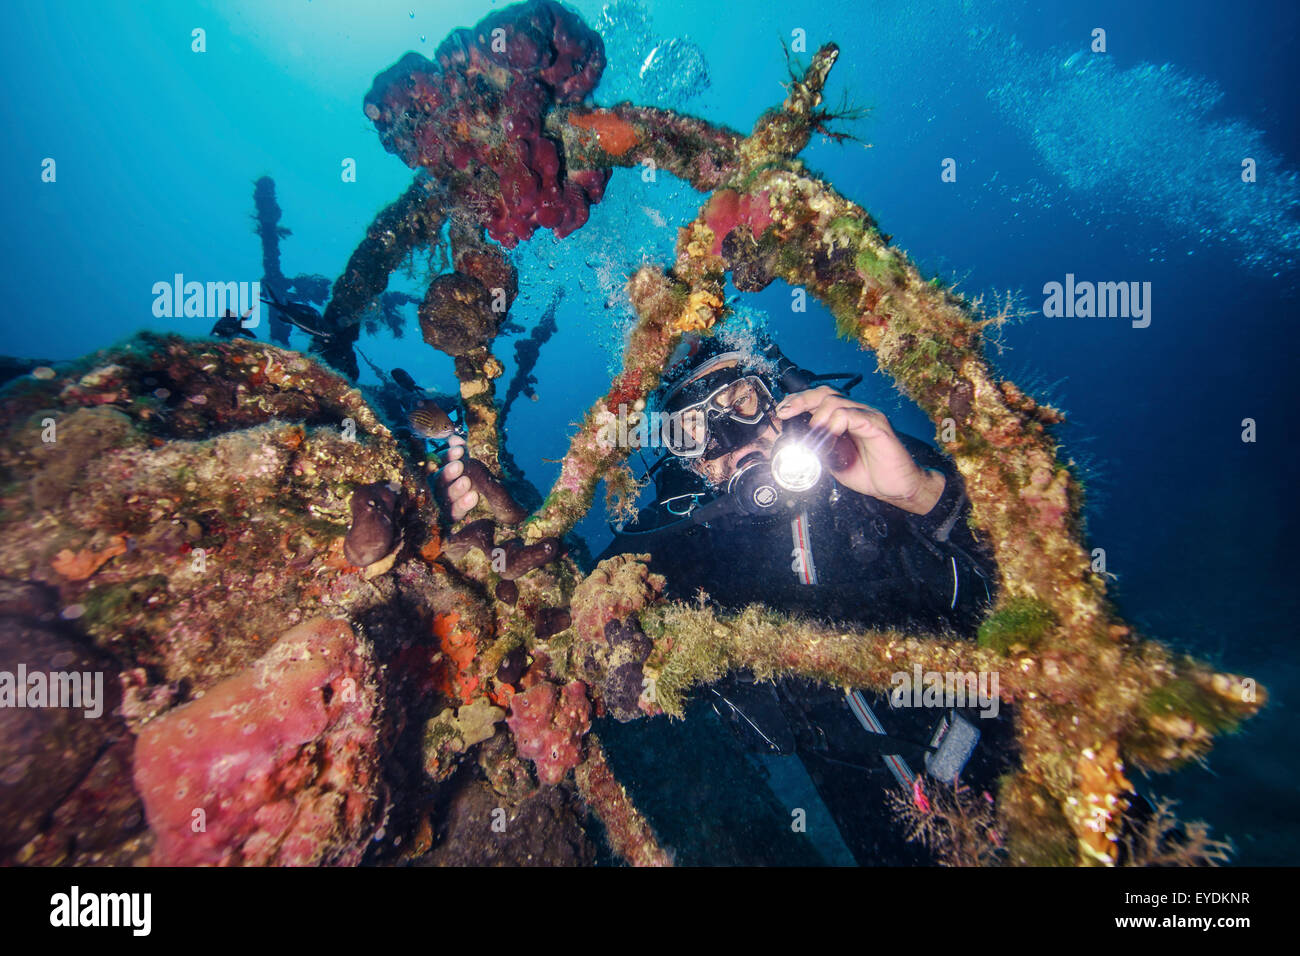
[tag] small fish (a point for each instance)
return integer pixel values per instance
(301, 316)
(429, 420)
(43, 372)
(230, 325)
(403, 378)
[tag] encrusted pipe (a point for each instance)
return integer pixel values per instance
(627, 831)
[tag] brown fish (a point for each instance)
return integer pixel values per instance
(429, 420)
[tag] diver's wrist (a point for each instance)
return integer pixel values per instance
(924, 497)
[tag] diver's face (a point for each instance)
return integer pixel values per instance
(745, 402)
(719, 470)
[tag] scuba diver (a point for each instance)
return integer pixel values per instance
(777, 489)
(807, 504)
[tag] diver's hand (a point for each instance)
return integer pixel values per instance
(456, 490)
(882, 468)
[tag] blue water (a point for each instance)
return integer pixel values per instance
(1124, 165)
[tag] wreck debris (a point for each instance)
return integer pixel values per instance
(527, 352)
(1091, 697)
(625, 828)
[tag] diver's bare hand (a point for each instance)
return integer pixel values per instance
(456, 490)
(882, 467)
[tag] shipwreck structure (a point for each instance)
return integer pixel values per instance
(457, 673)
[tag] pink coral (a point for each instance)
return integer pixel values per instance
(478, 112)
(549, 726)
(573, 474)
(729, 209)
(274, 765)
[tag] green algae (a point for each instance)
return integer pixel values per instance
(841, 298)
(113, 609)
(1020, 622)
(884, 267)
(1187, 698)
(1037, 831)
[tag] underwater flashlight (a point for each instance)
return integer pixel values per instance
(797, 457)
(799, 460)
(796, 467)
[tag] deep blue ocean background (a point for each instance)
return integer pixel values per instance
(1117, 166)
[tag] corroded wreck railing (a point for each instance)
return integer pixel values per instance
(1088, 693)
(1089, 696)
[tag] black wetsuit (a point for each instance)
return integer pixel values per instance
(844, 558)
(862, 561)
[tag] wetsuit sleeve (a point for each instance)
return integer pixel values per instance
(945, 528)
(950, 511)
(951, 508)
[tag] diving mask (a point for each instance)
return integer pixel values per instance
(725, 413)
